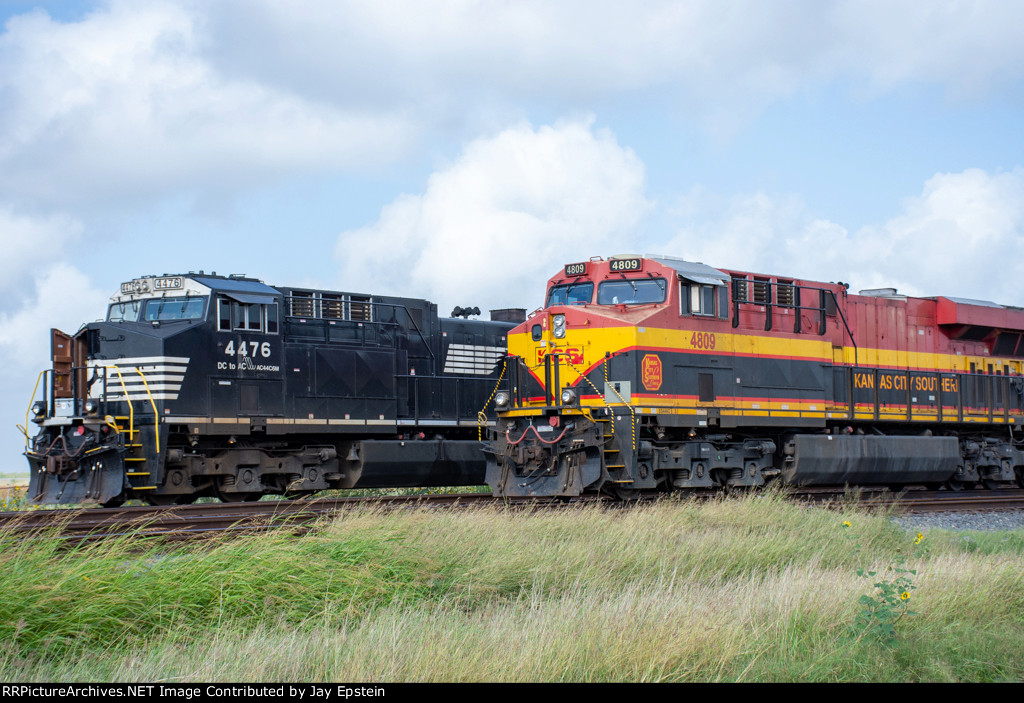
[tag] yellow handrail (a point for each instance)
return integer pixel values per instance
(602, 398)
(632, 414)
(131, 409)
(31, 400)
(481, 417)
(156, 415)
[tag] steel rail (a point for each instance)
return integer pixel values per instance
(184, 521)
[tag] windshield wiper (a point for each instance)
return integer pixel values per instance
(623, 277)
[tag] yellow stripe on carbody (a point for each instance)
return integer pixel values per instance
(593, 342)
(584, 348)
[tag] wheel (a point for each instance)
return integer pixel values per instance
(954, 485)
(625, 493)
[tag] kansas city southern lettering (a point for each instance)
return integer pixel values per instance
(900, 382)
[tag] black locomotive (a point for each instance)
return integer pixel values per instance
(205, 385)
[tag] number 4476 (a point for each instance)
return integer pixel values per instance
(248, 349)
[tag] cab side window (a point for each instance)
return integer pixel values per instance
(246, 317)
(223, 314)
(703, 300)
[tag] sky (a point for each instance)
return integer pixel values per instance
(463, 151)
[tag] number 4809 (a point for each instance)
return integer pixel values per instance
(702, 340)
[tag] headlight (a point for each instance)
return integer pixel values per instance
(568, 396)
(91, 406)
(39, 408)
(501, 399)
(559, 325)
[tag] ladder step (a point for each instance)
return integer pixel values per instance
(135, 458)
(138, 473)
(625, 480)
(144, 488)
(133, 445)
(615, 466)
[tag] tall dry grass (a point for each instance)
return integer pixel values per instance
(748, 589)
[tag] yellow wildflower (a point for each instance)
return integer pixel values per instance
(904, 595)
(846, 523)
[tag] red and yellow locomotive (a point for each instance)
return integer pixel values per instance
(645, 373)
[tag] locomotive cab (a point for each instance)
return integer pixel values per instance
(119, 387)
(579, 372)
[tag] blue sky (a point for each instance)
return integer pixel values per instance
(463, 151)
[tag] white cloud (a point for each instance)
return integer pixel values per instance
(28, 242)
(492, 226)
(123, 104)
(513, 208)
(957, 238)
(968, 47)
(754, 232)
(723, 60)
(137, 99)
(63, 297)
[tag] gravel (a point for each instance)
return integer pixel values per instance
(972, 520)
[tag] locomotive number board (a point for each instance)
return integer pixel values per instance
(142, 285)
(576, 269)
(617, 265)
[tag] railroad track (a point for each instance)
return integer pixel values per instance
(198, 519)
(949, 501)
(205, 519)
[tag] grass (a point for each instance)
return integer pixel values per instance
(14, 498)
(749, 589)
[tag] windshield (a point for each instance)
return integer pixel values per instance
(578, 293)
(127, 312)
(634, 291)
(175, 309)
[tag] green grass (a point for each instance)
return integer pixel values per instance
(399, 491)
(12, 499)
(16, 499)
(751, 589)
